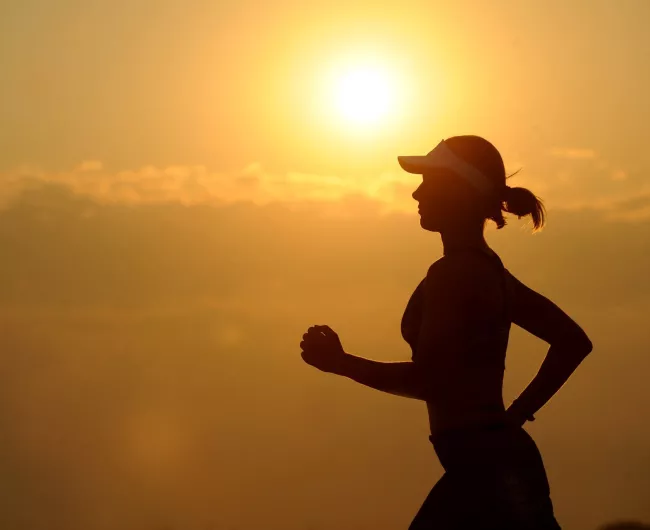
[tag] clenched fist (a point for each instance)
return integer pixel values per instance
(321, 348)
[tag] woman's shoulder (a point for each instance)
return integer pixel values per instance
(458, 272)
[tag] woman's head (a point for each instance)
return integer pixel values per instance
(446, 199)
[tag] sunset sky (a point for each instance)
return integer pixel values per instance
(187, 186)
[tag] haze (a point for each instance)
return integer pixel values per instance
(180, 199)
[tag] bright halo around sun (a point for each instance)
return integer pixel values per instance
(364, 95)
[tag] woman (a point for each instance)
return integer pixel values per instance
(457, 323)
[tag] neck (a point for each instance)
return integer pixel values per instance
(463, 239)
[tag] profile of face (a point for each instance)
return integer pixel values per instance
(445, 201)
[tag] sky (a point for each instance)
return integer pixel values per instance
(187, 186)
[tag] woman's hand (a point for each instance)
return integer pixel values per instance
(516, 418)
(321, 348)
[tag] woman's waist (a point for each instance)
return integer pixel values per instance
(458, 417)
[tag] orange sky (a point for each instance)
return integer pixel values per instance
(180, 198)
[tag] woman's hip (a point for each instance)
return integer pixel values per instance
(494, 478)
(501, 452)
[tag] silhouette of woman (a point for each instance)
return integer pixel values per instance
(457, 323)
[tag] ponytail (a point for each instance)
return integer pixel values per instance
(522, 202)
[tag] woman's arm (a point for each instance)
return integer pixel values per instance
(569, 345)
(560, 362)
(397, 378)
(322, 348)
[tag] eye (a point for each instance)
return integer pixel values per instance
(428, 179)
(432, 180)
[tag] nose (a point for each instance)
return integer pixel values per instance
(417, 192)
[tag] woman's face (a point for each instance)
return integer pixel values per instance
(444, 200)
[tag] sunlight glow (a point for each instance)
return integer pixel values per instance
(364, 95)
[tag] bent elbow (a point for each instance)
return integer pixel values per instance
(573, 341)
(580, 344)
(583, 344)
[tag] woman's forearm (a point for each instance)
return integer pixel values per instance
(398, 378)
(560, 362)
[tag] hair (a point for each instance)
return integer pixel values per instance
(486, 158)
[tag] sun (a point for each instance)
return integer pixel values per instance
(364, 95)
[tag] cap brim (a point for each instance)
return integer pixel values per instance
(414, 164)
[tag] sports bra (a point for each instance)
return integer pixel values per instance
(411, 319)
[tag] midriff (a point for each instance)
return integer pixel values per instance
(442, 419)
(470, 394)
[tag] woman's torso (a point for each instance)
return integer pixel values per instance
(469, 385)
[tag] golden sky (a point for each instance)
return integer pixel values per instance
(186, 186)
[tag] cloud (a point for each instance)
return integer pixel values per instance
(191, 185)
(573, 153)
(599, 187)
(90, 165)
(584, 180)
(633, 209)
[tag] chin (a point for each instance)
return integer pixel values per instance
(428, 225)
